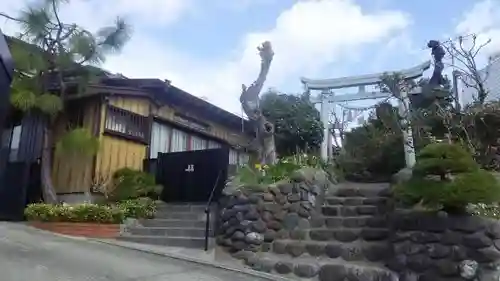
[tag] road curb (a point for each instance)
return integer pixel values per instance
(249, 272)
(262, 275)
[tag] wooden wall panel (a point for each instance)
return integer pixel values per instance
(136, 105)
(73, 174)
(116, 153)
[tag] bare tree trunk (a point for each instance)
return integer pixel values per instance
(48, 190)
(250, 102)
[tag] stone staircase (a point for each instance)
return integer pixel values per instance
(347, 241)
(176, 225)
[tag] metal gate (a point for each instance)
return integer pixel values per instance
(190, 176)
(19, 186)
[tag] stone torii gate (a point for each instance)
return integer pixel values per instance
(327, 97)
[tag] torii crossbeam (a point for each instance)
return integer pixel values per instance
(327, 97)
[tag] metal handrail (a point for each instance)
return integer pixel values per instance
(207, 210)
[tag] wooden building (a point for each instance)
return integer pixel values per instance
(134, 119)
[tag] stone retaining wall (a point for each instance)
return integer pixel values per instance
(252, 217)
(432, 246)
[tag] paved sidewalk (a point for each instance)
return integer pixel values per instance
(31, 254)
(213, 258)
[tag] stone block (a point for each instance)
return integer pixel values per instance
(346, 235)
(332, 272)
(375, 252)
(333, 222)
(477, 240)
(269, 235)
(315, 250)
(352, 253)
(243, 255)
(306, 270)
(330, 211)
(290, 221)
(285, 188)
(283, 267)
(298, 234)
(354, 222)
(374, 234)
(333, 250)
(348, 211)
(321, 234)
(263, 264)
(296, 249)
(279, 247)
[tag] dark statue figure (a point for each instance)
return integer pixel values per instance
(438, 53)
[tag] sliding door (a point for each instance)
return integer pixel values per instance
(160, 139)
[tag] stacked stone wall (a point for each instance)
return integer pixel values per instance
(433, 246)
(252, 217)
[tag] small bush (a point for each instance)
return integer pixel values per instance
(446, 177)
(138, 208)
(131, 184)
(441, 159)
(74, 213)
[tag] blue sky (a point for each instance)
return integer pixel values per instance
(208, 47)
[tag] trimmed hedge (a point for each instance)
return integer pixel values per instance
(116, 213)
(447, 177)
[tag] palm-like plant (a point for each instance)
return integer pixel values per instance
(46, 52)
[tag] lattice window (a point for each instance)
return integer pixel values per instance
(125, 123)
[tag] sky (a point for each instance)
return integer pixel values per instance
(208, 48)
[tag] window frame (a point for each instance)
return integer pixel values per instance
(135, 125)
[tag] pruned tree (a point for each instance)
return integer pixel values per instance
(249, 100)
(52, 60)
(463, 53)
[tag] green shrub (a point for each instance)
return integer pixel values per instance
(131, 184)
(74, 213)
(446, 177)
(441, 159)
(138, 208)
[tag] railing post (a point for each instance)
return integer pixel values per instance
(207, 227)
(207, 211)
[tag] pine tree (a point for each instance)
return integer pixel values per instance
(51, 58)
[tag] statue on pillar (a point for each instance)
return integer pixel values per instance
(249, 99)
(438, 53)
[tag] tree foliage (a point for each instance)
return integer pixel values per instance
(297, 122)
(52, 60)
(374, 150)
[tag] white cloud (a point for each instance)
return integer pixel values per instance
(484, 20)
(306, 37)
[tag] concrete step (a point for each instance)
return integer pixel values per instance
(363, 190)
(186, 242)
(167, 207)
(179, 215)
(168, 231)
(356, 201)
(312, 268)
(352, 211)
(334, 222)
(172, 223)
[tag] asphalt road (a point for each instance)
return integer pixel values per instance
(27, 254)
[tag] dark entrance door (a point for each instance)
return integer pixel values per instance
(190, 176)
